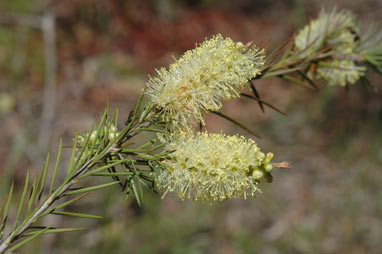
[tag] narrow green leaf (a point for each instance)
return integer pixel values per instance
(32, 196)
(157, 147)
(114, 119)
(79, 215)
(40, 176)
(28, 240)
(72, 167)
(101, 154)
(137, 106)
(92, 188)
(133, 150)
(22, 201)
(105, 167)
(56, 167)
(2, 205)
(150, 143)
(114, 174)
(116, 112)
(146, 111)
(44, 174)
(152, 130)
(100, 131)
(136, 194)
(139, 183)
(5, 218)
(149, 186)
(62, 205)
(54, 231)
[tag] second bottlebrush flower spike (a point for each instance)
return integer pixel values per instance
(202, 78)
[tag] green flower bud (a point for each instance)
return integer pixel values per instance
(113, 129)
(268, 158)
(112, 136)
(268, 168)
(93, 137)
(257, 175)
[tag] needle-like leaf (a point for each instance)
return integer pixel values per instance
(53, 231)
(18, 245)
(22, 201)
(44, 174)
(56, 167)
(92, 188)
(79, 215)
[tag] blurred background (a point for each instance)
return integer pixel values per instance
(62, 61)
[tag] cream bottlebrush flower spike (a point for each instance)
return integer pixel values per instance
(207, 166)
(216, 70)
(337, 30)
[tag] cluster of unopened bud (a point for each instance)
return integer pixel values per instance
(93, 140)
(264, 170)
(94, 137)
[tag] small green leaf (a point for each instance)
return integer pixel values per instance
(100, 169)
(2, 206)
(63, 205)
(150, 143)
(56, 167)
(53, 231)
(44, 174)
(22, 201)
(114, 174)
(136, 194)
(100, 131)
(4, 221)
(92, 188)
(72, 167)
(28, 239)
(79, 215)
(139, 185)
(134, 116)
(152, 130)
(32, 196)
